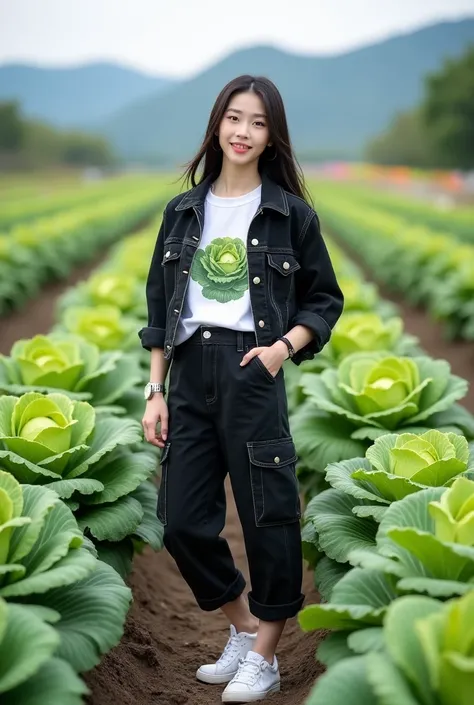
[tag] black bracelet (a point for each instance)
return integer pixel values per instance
(291, 350)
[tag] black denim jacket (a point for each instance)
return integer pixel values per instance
(291, 277)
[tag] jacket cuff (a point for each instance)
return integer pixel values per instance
(321, 332)
(152, 338)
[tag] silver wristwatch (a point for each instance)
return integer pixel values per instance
(152, 388)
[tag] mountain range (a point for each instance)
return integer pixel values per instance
(83, 96)
(334, 103)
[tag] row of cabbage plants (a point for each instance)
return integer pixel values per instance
(16, 189)
(34, 205)
(457, 221)
(430, 268)
(48, 248)
(77, 484)
(386, 463)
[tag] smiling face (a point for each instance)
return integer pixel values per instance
(243, 132)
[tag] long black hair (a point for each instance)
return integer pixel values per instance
(278, 162)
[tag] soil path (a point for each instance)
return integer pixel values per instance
(168, 637)
(37, 315)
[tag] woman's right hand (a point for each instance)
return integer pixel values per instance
(156, 411)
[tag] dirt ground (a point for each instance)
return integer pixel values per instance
(37, 315)
(167, 637)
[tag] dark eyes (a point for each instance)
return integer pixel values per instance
(258, 122)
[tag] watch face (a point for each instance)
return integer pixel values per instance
(147, 390)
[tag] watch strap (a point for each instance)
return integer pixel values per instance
(291, 350)
(157, 387)
(152, 388)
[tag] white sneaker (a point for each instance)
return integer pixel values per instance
(254, 680)
(226, 667)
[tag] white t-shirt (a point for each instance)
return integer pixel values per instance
(218, 288)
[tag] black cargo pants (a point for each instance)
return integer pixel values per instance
(224, 418)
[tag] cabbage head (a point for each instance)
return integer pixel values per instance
(104, 326)
(41, 434)
(358, 294)
(90, 460)
(369, 395)
(395, 466)
(386, 391)
(453, 514)
(360, 331)
(107, 288)
(67, 363)
(364, 332)
(132, 256)
(422, 655)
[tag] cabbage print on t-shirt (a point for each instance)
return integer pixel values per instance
(221, 269)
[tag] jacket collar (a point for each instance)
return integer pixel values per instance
(273, 196)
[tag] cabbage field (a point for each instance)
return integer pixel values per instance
(91, 610)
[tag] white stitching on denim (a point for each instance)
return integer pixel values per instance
(252, 490)
(274, 302)
(305, 227)
(263, 498)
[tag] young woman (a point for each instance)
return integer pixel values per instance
(239, 281)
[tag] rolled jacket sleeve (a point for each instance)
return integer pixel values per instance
(153, 335)
(319, 298)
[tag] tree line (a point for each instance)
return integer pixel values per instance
(438, 133)
(31, 144)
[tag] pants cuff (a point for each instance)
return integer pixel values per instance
(273, 613)
(232, 593)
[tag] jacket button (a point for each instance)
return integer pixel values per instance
(168, 253)
(255, 241)
(276, 459)
(256, 280)
(206, 334)
(261, 324)
(286, 265)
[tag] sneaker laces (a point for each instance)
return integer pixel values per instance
(249, 671)
(231, 649)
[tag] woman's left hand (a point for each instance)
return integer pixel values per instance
(272, 356)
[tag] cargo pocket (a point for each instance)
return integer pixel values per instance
(275, 488)
(162, 508)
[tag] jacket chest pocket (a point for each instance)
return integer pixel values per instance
(170, 263)
(281, 269)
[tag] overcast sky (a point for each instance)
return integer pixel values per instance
(181, 37)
